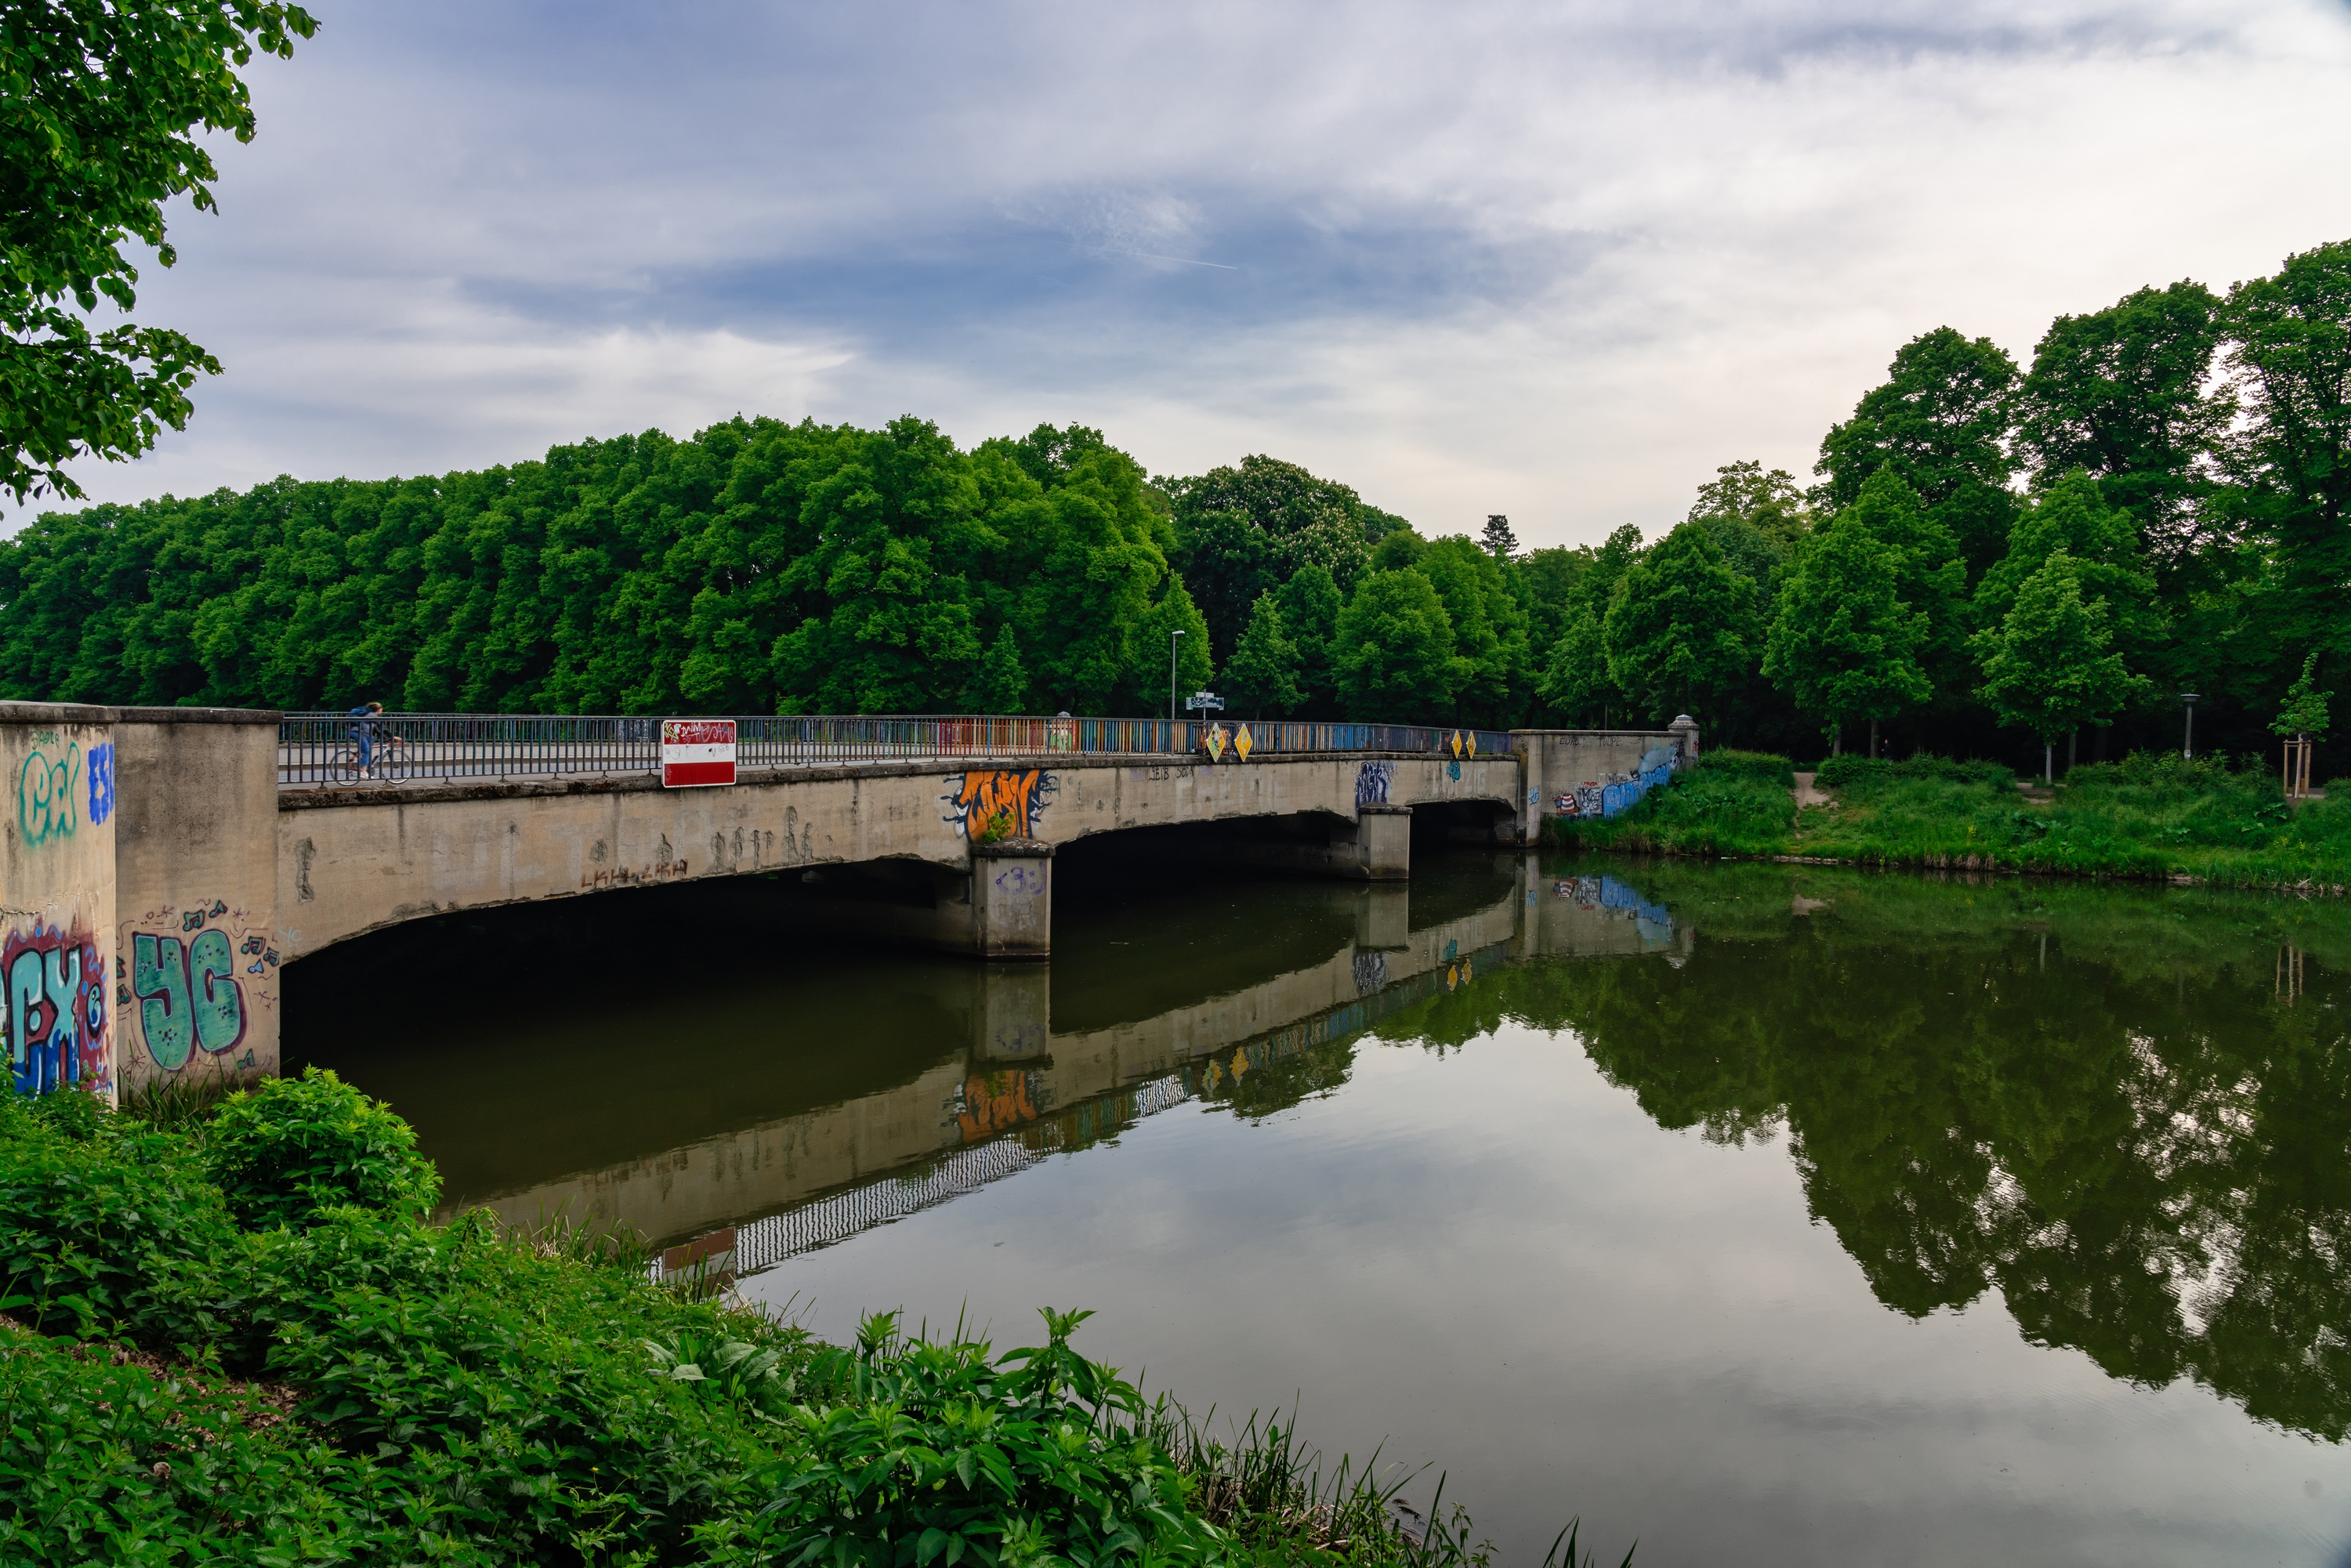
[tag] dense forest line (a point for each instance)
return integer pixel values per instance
(1993, 556)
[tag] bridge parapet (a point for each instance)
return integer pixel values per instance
(338, 748)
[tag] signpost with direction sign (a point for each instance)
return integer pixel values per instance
(697, 752)
(1205, 701)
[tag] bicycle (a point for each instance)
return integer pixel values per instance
(390, 753)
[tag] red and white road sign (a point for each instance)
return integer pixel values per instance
(696, 751)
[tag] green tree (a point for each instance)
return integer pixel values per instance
(1305, 519)
(1154, 640)
(895, 632)
(1681, 628)
(2290, 363)
(2073, 516)
(1498, 541)
(1929, 578)
(2119, 394)
(1575, 683)
(1489, 627)
(1262, 674)
(1939, 420)
(1768, 502)
(1842, 644)
(1003, 685)
(2305, 710)
(104, 105)
(2047, 665)
(1228, 562)
(1309, 605)
(1392, 651)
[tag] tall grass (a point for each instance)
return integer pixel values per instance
(1274, 1493)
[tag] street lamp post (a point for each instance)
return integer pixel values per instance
(2189, 698)
(1170, 682)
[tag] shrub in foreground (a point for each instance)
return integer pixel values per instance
(296, 1145)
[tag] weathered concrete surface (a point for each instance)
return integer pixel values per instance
(357, 860)
(58, 897)
(138, 879)
(1560, 760)
(196, 857)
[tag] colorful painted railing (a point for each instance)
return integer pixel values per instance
(316, 748)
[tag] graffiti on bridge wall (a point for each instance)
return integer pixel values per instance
(1372, 784)
(55, 1011)
(1014, 798)
(1596, 799)
(47, 789)
(192, 980)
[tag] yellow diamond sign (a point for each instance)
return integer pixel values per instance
(1457, 743)
(1216, 743)
(1241, 742)
(1473, 743)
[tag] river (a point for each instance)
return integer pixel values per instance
(1767, 1215)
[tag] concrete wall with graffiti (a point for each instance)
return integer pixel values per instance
(196, 850)
(1598, 772)
(57, 897)
(138, 879)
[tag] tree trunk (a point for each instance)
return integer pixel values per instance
(1836, 740)
(2048, 762)
(2073, 750)
(1873, 740)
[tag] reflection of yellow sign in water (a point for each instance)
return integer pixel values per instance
(1241, 742)
(1457, 743)
(1216, 743)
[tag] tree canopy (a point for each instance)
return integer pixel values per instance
(1987, 554)
(104, 103)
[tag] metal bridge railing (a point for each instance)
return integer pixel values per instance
(316, 749)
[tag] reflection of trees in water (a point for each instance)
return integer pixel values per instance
(2150, 1167)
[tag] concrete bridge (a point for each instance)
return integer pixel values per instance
(163, 865)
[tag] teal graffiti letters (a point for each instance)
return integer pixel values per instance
(46, 806)
(219, 1005)
(159, 975)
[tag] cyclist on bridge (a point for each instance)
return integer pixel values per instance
(364, 732)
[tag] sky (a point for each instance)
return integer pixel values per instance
(1556, 261)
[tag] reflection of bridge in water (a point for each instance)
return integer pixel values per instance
(1023, 1091)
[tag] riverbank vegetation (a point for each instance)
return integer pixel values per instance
(2153, 817)
(231, 1335)
(1999, 560)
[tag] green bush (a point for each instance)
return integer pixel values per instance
(88, 1208)
(1849, 771)
(296, 1145)
(939, 1455)
(1768, 767)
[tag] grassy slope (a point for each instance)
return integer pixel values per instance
(2148, 817)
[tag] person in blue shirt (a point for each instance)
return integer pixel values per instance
(364, 732)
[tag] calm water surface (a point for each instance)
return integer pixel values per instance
(1768, 1214)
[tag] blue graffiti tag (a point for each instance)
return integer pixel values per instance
(101, 784)
(1372, 785)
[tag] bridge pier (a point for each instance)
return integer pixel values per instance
(1012, 899)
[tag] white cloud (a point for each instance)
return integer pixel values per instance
(1558, 263)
